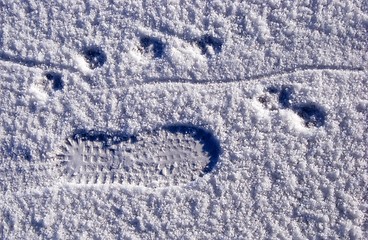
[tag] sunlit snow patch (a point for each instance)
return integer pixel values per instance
(171, 155)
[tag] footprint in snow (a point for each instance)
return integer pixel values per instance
(169, 156)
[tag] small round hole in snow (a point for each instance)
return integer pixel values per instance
(95, 56)
(56, 78)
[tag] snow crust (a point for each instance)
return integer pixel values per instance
(283, 85)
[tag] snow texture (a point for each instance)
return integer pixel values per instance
(248, 119)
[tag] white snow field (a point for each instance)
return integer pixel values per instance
(184, 119)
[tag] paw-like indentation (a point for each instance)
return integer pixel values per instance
(209, 44)
(312, 114)
(56, 78)
(269, 99)
(94, 56)
(286, 96)
(153, 46)
(171, 155)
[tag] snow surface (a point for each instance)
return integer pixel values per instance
(283, 85)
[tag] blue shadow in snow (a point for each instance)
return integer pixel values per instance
(286, 96)
(107, 138)
(312, 114)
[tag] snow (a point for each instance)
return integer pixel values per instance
(280, 85)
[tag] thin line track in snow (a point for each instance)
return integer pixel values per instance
(286, 71)
(33, 63)
(29, 63)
